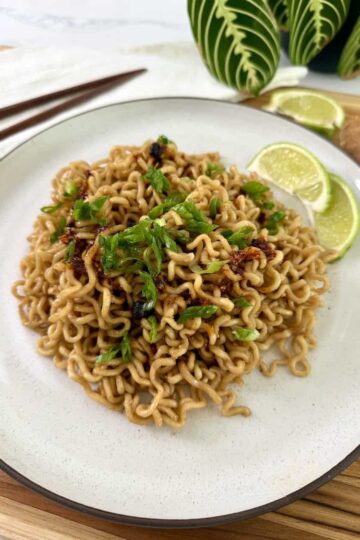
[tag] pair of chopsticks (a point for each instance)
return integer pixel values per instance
(89, 91)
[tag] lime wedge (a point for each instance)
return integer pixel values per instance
(297, 171)
(338, 226)
(309, 108)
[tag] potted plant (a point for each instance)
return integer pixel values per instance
(240, 39)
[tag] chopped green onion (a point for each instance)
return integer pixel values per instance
(240, 238)
(195, 219)
(149, 290)
(162, 234)
(211, 268)
(241, 302)
(123, 349)
(71, 189)
(163, 139)
(153, 328)
(254, 190)
(268, 205)
(51, 209)
(157, 180)
(88, 211)
(272, 224)
(214, 207)
(69, 252)
(197, 311)
(246, 334)
(109, 259)
(54, 237)
(172, 200)
(277, 216)
(213, 169)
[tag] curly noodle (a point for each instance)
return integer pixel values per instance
(81, 311)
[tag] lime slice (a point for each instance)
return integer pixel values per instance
(338, 226)
(297, 171)
(309, 108)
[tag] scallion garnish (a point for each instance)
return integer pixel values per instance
(241, 302)
(88, 211)
(71, 189)
(195, 220)
(122, 350)
(272, 224)
(213, 169)
(153, 328)
(149, 291)
(255, 190)
(157, 180)
(169, 202)
(163, 139)
(245, 334)
(197, 311)
(51, 209)
(54, 237)
(211, 268)
(69, 252)
(240, 238)
(214, 207)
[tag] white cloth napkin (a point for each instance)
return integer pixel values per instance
(174, 69)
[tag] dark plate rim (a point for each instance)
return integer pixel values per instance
(196, 522)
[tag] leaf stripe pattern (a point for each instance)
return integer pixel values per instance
(280, 12)
(312, 24)
(349, 63)
(238, 39)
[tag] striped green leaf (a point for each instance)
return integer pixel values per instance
(238, 40)
(312, 24)
(349, 63)
(280, 11)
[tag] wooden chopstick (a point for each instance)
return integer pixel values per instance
(28, 103)
(68, 104)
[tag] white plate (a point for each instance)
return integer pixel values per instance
(58, 441)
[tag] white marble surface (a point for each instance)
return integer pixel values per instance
(110, 24)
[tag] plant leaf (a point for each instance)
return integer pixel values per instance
(349, 63)
(312, 24)
(239, 41)
(280, 11)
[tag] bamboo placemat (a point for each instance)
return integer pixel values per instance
(331, 512)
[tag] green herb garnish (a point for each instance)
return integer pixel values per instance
(109, 259)
(197, 311)
(214, 207)
(69, 252)
(272, 224)
(165, 238)
(51, 209)
(245, 334)
(163, 139)
(71, 189)
(241, 302)
(54, 237)
(268, 205)
(239, 238)
(157, 180)
(123, 349)
(149, 290)
(213, 169)
(211, 268)
(153, 328)
(255, 190)
(172, 200)
(88, 211)
(195, 220)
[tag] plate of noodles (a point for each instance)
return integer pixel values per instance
(175, 348)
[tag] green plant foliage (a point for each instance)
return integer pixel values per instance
(238, 39)
(280, 11)
(312, 24)
(349, 63)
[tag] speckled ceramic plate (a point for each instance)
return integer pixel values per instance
(59, 442)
